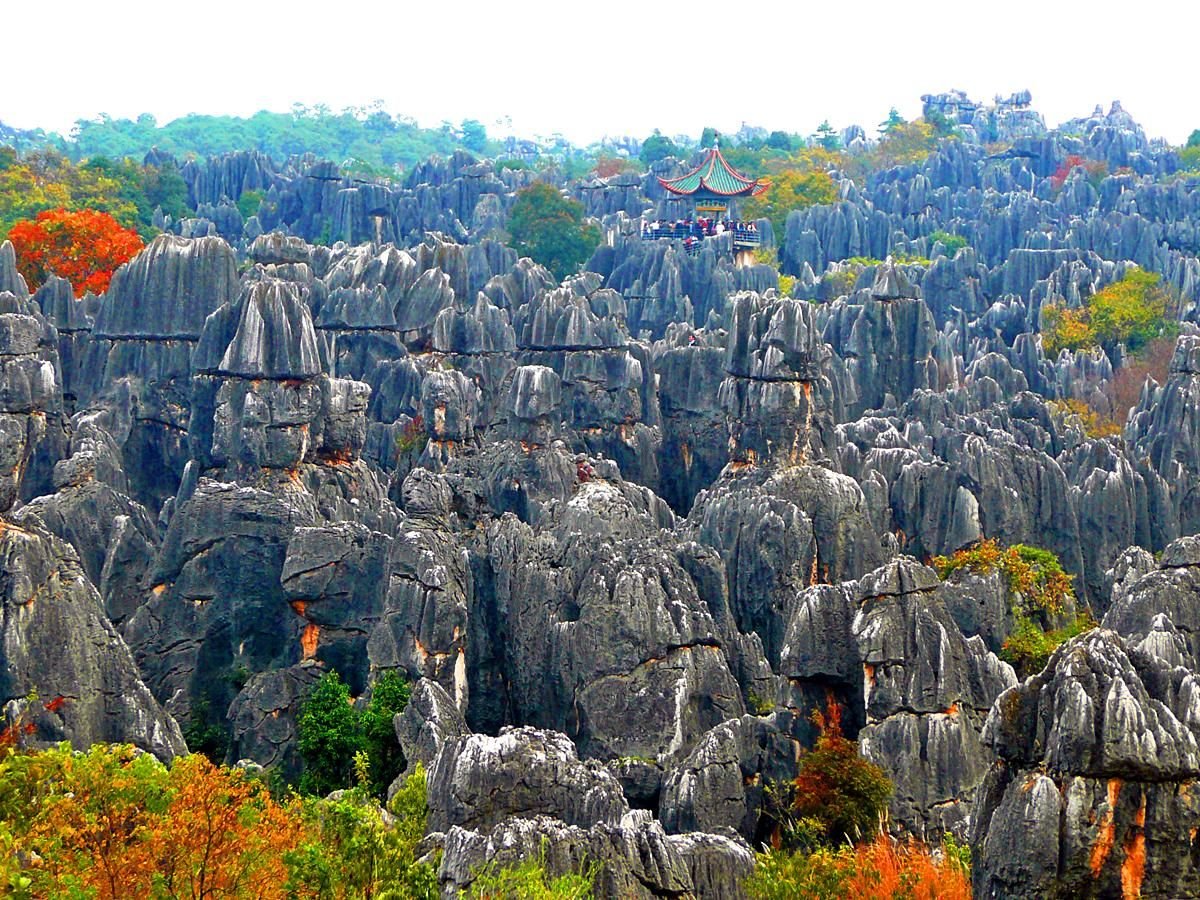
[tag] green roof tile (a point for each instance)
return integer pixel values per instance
(714, 175)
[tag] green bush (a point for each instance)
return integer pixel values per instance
(249, 203)
(204, 733)
(1133, 311)
(549, 228)
(1029, 647)
(354, 853)
(658, 146)
(530, 881)
(330, 732)
(389, 696)
(1034, 574)
(952, 242)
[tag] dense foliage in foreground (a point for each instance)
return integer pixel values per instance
(882, 869)
(114, 823)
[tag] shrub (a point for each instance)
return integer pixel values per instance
(609, 166)
(882, 869)
(1094, 170)
(389, 696)
(350, 851)
(1034, 574)
(1124, 389)
(1133, 311)
(1029, 646)
(838, 788)
(249, 203)
(657, 146)
(411, 436)
(205, 733)
(952, 242)
(1041, 590)
(114, 822)
(530, 881)
(839, 283)
(1093, 423)
(795, 188)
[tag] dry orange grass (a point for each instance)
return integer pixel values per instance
(884, 869)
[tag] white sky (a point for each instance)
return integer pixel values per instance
(599, 67)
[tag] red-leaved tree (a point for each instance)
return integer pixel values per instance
(84, 247)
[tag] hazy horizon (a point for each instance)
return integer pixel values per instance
(619, 69)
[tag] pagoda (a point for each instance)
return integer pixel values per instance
(713, 185)
(711, 189)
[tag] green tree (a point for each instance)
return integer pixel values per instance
(952, 242)
(353, 853)
(1132, 311)
(780, 140)
(709, 136)
(549, 227)
(328, 734)
(165, 189)
(474, 135)
(789, 190)
(827, 137)
(389, 696)
(529, 880)
(657, 146)
(249, 203)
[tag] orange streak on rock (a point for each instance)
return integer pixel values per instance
(1134, 867)
(1107, 832)
(308, 640)
(298, 607)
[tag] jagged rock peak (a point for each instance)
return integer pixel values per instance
(266, 333)
(168, 289)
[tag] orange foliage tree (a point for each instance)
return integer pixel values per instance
(113, 823)
(84, 247)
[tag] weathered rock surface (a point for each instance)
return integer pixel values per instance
(1092, 793)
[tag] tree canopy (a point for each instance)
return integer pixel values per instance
(550, 229)
(1132, 311)
(129, 192)
(803, 182)
(659, 146)
(366, 134)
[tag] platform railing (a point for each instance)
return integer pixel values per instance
(742, 237)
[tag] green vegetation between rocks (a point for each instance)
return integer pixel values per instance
(1042, 593)
(550, 229)
(330, 732)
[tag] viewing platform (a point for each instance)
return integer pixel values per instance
(745, 235)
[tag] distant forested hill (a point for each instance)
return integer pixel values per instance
(371, 139)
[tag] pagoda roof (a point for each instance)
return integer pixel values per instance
(714, 176)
